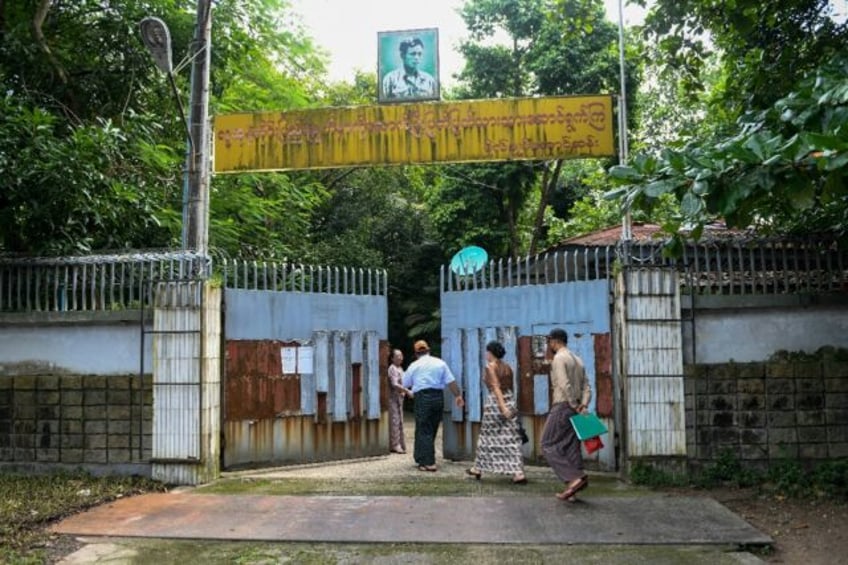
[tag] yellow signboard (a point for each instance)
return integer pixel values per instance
(434, 132)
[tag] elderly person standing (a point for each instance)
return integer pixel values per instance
(397, 441)
(571, 395)
(428, 376)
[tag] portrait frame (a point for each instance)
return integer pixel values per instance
(389, 62)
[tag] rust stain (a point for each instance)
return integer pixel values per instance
(525, 372)
(255, 386)
(305, 440)
(338, 439)
(321, 408)
(356, 391)
(603, 374)
(264, 423)
(385, 351)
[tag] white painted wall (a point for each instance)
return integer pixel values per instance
(87, 348)
(748, 335)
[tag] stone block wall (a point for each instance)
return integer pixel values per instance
(75, 420)
(767, 411)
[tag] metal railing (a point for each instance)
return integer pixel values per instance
(92, 282)
(282, 276)
(583, 264)
(740, 266)
(762, 266)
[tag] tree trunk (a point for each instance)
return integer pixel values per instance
(549, 182)
(38, 34)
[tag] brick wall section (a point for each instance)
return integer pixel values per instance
(75, 419)
(767, 411)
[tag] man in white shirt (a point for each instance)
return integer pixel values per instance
(428, 376)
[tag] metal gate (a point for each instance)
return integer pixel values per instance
(305, 348)
(518, 303)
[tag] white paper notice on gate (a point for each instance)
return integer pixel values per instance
(297, 359)
(304, 360)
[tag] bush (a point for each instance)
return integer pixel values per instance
(786, 477)
(647, 475)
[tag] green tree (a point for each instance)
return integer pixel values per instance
(783, 170)
(553, 47)
(772, 154)
(93, 146)
(764, 47)
(375, 218)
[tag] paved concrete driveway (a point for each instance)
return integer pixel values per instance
(394, 503)
(381, 519)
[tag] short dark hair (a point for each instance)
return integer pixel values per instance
(409, 43)
(558, 333)
(496, 349)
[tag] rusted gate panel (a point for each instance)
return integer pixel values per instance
(256, 386)
(300, 401)
(306, 354)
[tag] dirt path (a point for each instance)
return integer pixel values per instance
(809, 532)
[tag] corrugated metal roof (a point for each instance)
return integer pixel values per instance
(611, 236)
(643, 233)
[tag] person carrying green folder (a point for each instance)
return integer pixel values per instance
(571, 395)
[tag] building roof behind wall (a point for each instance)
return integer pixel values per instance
(611, 236)
(642, 233)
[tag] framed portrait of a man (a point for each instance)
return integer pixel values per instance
(408, 65)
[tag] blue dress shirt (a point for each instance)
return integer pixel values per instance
(427, 372)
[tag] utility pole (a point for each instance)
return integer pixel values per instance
(195, 234)
(623, 149)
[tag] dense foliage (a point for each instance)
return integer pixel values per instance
(772, 148)
(784, 169)
(552, 47)
(742, 116)
(91, 141)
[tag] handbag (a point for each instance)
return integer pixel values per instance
(522, 433)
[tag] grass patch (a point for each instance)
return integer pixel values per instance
(28, 503)
(786, 477)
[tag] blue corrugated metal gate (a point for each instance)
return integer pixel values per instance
(305, 352)
(518, 305)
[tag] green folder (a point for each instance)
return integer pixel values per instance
(587, 426)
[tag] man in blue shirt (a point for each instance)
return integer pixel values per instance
(428, 376)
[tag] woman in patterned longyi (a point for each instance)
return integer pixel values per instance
(499, 442)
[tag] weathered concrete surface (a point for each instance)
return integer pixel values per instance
(143, 551)
(651, 520)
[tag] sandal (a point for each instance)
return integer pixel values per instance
(428, 468)
(521, 481)
(472, 473)
(570, 493)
